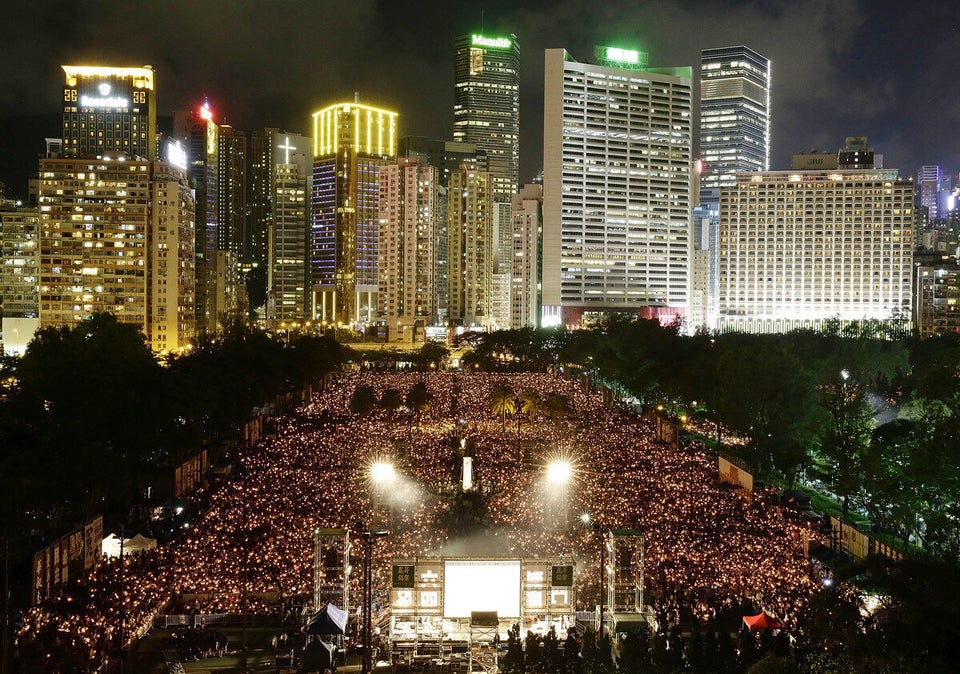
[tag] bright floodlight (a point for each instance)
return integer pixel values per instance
(559, 471)
(585, 518)
(381, 471)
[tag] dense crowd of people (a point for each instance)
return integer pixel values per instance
(706, 547)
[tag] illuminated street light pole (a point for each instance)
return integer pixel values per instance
(368, 538)
(559, 474)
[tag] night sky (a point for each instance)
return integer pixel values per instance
(840, 67)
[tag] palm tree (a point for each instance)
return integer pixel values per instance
(557, 406)
(530, 404)
(391, 400)
(418, 398)
(501, 402)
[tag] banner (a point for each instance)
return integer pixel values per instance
(737, 476)
(92, 542)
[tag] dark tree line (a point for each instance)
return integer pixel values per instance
(89, 417)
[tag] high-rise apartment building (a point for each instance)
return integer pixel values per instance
(799, 248)
(350, 143)
(929, 179)
(19, 276)
(109, 112)
(408, 216)
(525, 272)
(734, 114)
(486, 110)
(446, 156)
(117, 237)
(470, 242)
(616, 188)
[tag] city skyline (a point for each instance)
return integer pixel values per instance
(826, 86)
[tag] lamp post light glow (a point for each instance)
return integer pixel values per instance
(382, 472)
(559, 472)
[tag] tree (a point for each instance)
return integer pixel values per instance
(363, 400)
(391, 400)
(418, 398)
(846, 437)
(502, 402)
(530, 404)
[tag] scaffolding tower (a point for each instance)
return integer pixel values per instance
(331, 568)
(625, 571)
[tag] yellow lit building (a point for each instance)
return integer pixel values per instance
(109, 112)
(117, 237)
(350, 143)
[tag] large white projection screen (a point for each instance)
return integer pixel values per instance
(481, 585)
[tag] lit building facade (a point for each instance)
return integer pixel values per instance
(19, 276)
(486, 111)
(525, 272)
(109, 112)
(446, 156)
(928, 179)
(117, 237)
(616, 189)
(287, 283)
(350, 143)
(408, 216)
(470, 243)
(937, 308)
(800, 248)
(734, 114)
(201, 136)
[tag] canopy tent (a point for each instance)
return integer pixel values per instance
(111, 545)
(328, 620)
(761, 621)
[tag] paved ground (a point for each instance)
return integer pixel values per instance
(261, 657)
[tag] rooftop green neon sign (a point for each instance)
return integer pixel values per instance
(623, 55)
(491, 42)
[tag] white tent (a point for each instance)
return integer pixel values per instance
(111, 545)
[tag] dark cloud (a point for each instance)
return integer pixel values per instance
(840, 67)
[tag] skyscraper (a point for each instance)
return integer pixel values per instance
(929, 178)
(734, 114)
(525, 277)
(616, 188)
(408, 218)
(486, 109)
(19, 276)
(350, 143)
(470, 241)
(287, 283)
(109, 112)
(117, 237)
(116, 230)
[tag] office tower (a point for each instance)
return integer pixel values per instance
(929, 182)
(232, 192)
(287, 284)
(19, 277)
(408, 214)
(350, 143)
(469, 235)
(486, 109)
(734, 114)
(800, 248)
(109, 112)
(616, 189)
(117, 237)
(201, 136)
(446, 157)
(260, 190)
(525, 272)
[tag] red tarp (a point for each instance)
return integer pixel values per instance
(762, 621)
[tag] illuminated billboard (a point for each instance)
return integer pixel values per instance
(481, 585)
(490, 42)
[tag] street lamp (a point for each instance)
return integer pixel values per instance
(368, 538)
